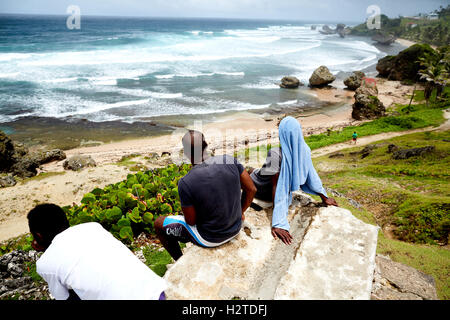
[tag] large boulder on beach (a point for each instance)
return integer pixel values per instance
(14, 158)
(321, 77)
(290, 83)
(384, 38)
(79, 162)
(405, 65)
(7, 181)
(354, 81)
(385, 66)
(25, 167)
(50, 155)
(367, 105)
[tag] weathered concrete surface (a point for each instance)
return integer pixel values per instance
(332, 257)
(396, 281)
(336, 259)
(224, 272)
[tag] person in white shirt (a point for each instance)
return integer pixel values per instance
(86, 262)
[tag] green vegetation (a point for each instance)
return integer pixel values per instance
(408, 198)
(436, 72)
(412, 195)
(43, 175)
(130, 207)
(157, 260)
(422, 29)
(18, 243)
(430, 259)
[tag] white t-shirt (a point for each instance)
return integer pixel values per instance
(97, 266)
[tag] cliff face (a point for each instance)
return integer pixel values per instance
(332, 257)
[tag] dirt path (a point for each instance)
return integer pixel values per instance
(382, 136)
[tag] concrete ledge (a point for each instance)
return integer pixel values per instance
(332, 257)
(336, 259)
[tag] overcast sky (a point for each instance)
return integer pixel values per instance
(303, 10)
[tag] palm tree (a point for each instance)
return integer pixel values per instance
(436, 72)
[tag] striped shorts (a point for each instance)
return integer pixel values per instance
(176, 228)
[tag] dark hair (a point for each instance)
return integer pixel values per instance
(192, 141)
(48, 220)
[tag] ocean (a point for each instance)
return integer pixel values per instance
(139, 69)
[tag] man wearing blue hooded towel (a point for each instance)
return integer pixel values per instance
(287, 169)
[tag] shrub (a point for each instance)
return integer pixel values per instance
(130, 207)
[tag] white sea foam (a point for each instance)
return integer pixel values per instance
(60, 80)
(13, 56)
(9, 75)
(210, 64)
(290, 102)
(195, 75)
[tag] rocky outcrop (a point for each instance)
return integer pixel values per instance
(16, 282)
(341, 30)
(79, 162)
(16, 159)
(321, 77)
(354, 81)
(331, 249)
(7, 181)
(367, 105)
(385, 66)
(25, 167)
(50, 156)
(415, 152)
(7, 152)
(384, 38)
(290, 83)
(396, 281)
(327, 30)
(405, 65)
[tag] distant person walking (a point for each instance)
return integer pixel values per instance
(354, 137)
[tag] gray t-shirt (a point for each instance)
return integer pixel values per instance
(262, 178)
(213, 188)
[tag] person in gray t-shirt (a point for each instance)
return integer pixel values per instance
(211, 200)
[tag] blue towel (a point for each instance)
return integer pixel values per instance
(297, 171)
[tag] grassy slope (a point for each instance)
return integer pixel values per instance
(391, 189)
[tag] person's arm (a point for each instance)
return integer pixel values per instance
(279, 233)
(189, 215)
(187, 204)
(248, 191)
(328, 201)
(274, 185)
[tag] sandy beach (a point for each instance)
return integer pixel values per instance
(408, 43)
(62, 187)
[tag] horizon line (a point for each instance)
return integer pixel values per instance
(180, 17)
